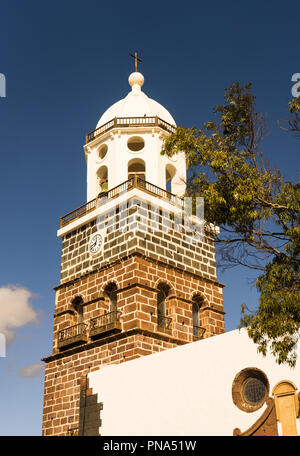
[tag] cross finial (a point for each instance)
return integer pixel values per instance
(136, 60)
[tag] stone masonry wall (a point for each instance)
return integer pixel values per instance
(150, 250)
(137, 279)
(137, 226)
(64, 375)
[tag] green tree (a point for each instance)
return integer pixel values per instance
(294, 122)
(256, 209)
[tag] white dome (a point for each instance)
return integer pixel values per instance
(136, 104)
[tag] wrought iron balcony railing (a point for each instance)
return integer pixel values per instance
(198, 332)
(73, 431)
(130, 122)
(134, 182)
(164, 323)
(72, 335)
(108, 322)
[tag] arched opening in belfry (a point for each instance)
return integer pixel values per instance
(77, 305)
(197, 303)
(102, 178)
(137, 167)
(110, 292)
(163, 291)
(170, 173)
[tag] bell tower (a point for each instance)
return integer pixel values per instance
(134, 280)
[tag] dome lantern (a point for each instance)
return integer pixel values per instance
(132, 132)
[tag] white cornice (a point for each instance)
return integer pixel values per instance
(112, 203)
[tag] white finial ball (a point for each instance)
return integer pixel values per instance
(136, 78)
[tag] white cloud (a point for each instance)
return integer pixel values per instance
(31, 371)
(15, 310)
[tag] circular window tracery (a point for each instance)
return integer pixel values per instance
(254, 391)
(250, 389)
(135, 143)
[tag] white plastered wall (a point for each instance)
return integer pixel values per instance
(183, 391)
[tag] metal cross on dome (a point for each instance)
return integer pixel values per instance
(136, 60)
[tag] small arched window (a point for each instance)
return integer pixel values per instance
(162, 294)
(77, 304)
(111, 292)
(195, 314)
(197, 303)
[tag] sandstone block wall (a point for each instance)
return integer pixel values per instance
(140, 227)
(136, 259)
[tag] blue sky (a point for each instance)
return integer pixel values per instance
(65, 63)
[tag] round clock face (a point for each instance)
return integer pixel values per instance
(96, 243)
